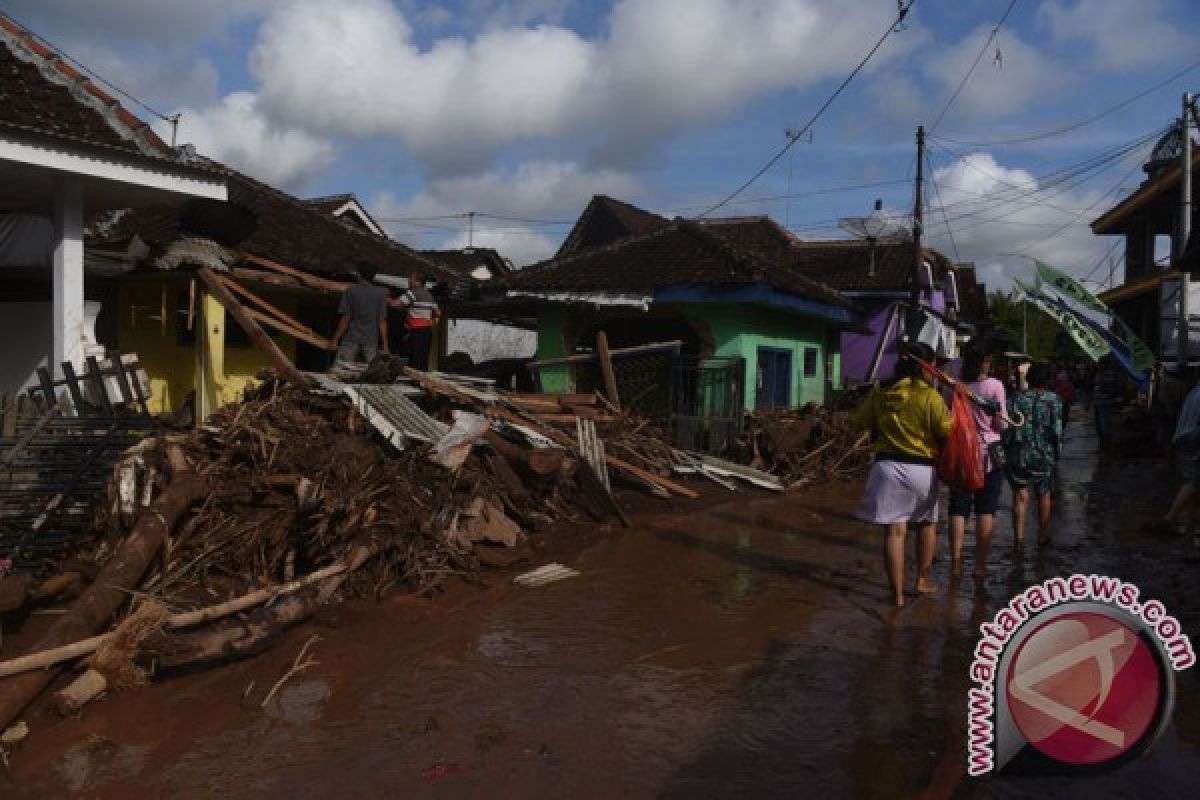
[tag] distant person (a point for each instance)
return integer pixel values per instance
(1065, 389)
(420, 317)
(362, 328)
(1186, 446)
(1166, 400)
(909, 422)
(976, 373)
(1106, 390)
(1032, 451)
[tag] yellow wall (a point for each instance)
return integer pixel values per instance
(172, 367)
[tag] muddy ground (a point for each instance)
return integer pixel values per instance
(740, 650)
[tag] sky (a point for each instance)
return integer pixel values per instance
(521, 110)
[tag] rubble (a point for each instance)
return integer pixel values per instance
(810, 444)
(278, 503)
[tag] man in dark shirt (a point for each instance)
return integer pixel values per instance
(363, 324)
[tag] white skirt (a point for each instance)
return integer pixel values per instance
(898, 492)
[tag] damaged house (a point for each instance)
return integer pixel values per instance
(103, 228)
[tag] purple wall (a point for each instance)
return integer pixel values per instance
(858, 349)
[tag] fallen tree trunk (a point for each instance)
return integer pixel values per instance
(96, 606)
(186, 619)
(241, 639)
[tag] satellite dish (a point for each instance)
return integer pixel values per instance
(877, 226)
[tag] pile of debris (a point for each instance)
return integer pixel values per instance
(276, 503)
(810, 444)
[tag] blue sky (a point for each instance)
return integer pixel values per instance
(525, 108)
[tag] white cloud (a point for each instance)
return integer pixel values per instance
(535, 190)
(1121, 34)
(999, 224)
(354, 68)
(236, 132)
(177, 78)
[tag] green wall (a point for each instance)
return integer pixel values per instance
(551, 322)
(740, 330)
(737, 330)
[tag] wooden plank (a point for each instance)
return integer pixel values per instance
(257, 335)
(625, 352)
(73, 388)
(8, 415)
(309, 335)
(131, 368)
(304, 277)
(96, 379)
(46, 382)
(118, 370)
(440, 387)
(606, 369)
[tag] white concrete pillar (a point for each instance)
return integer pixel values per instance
(68, 315)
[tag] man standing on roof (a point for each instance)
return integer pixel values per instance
(363, 323)
(421, 314)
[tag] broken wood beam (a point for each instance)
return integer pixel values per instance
(624, 352)
(304, 277)
(433, 385)
(257, 335)
(277, 316)
(606, 369)
(316, 340)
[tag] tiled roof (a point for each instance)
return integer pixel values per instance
(464, 262)
(42, 94)
(287, 230)
(604, 221)
(846, 264)
(679, 253)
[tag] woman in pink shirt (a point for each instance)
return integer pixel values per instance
(976, 372)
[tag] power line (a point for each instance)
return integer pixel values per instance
(978, 57)
(794, 137)
(172, 118)
(1049, 134)
(945, 218)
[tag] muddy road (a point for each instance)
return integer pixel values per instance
(745, 650)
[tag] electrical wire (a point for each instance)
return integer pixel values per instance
(794, 137)
(1050, 134)
(945, 218)
(978, 57)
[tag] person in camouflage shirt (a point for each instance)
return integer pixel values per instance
(1033, 450)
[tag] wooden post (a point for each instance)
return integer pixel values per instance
(257, 335)
(606, 368)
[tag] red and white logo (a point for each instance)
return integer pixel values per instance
(1084, 688)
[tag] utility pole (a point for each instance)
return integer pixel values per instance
(470, 230)
(1184, 231)
(918, 223)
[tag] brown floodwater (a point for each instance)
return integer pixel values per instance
(743, 650)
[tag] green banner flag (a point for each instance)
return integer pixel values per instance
(1069, 286)
(1089, 341)
(1140, 355)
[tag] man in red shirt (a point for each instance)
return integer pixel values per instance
(421, 315)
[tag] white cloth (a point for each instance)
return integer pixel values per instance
(899, 492)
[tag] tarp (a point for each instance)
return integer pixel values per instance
(26, 240)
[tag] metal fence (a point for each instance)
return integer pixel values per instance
(707, 410)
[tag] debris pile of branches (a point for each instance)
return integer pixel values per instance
(216, 540)
(808, 444)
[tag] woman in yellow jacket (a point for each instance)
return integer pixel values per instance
(909, 421)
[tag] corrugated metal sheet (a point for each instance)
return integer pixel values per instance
(389, 404)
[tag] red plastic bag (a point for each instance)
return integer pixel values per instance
(960, 464)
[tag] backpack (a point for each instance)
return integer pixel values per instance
(1027, 452)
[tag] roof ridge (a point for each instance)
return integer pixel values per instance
(52, 65)
(296, 201)
(604, 248)
(330, 197)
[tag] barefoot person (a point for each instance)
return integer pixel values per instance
(976, 372)
(909, 421)
(1033, 450)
